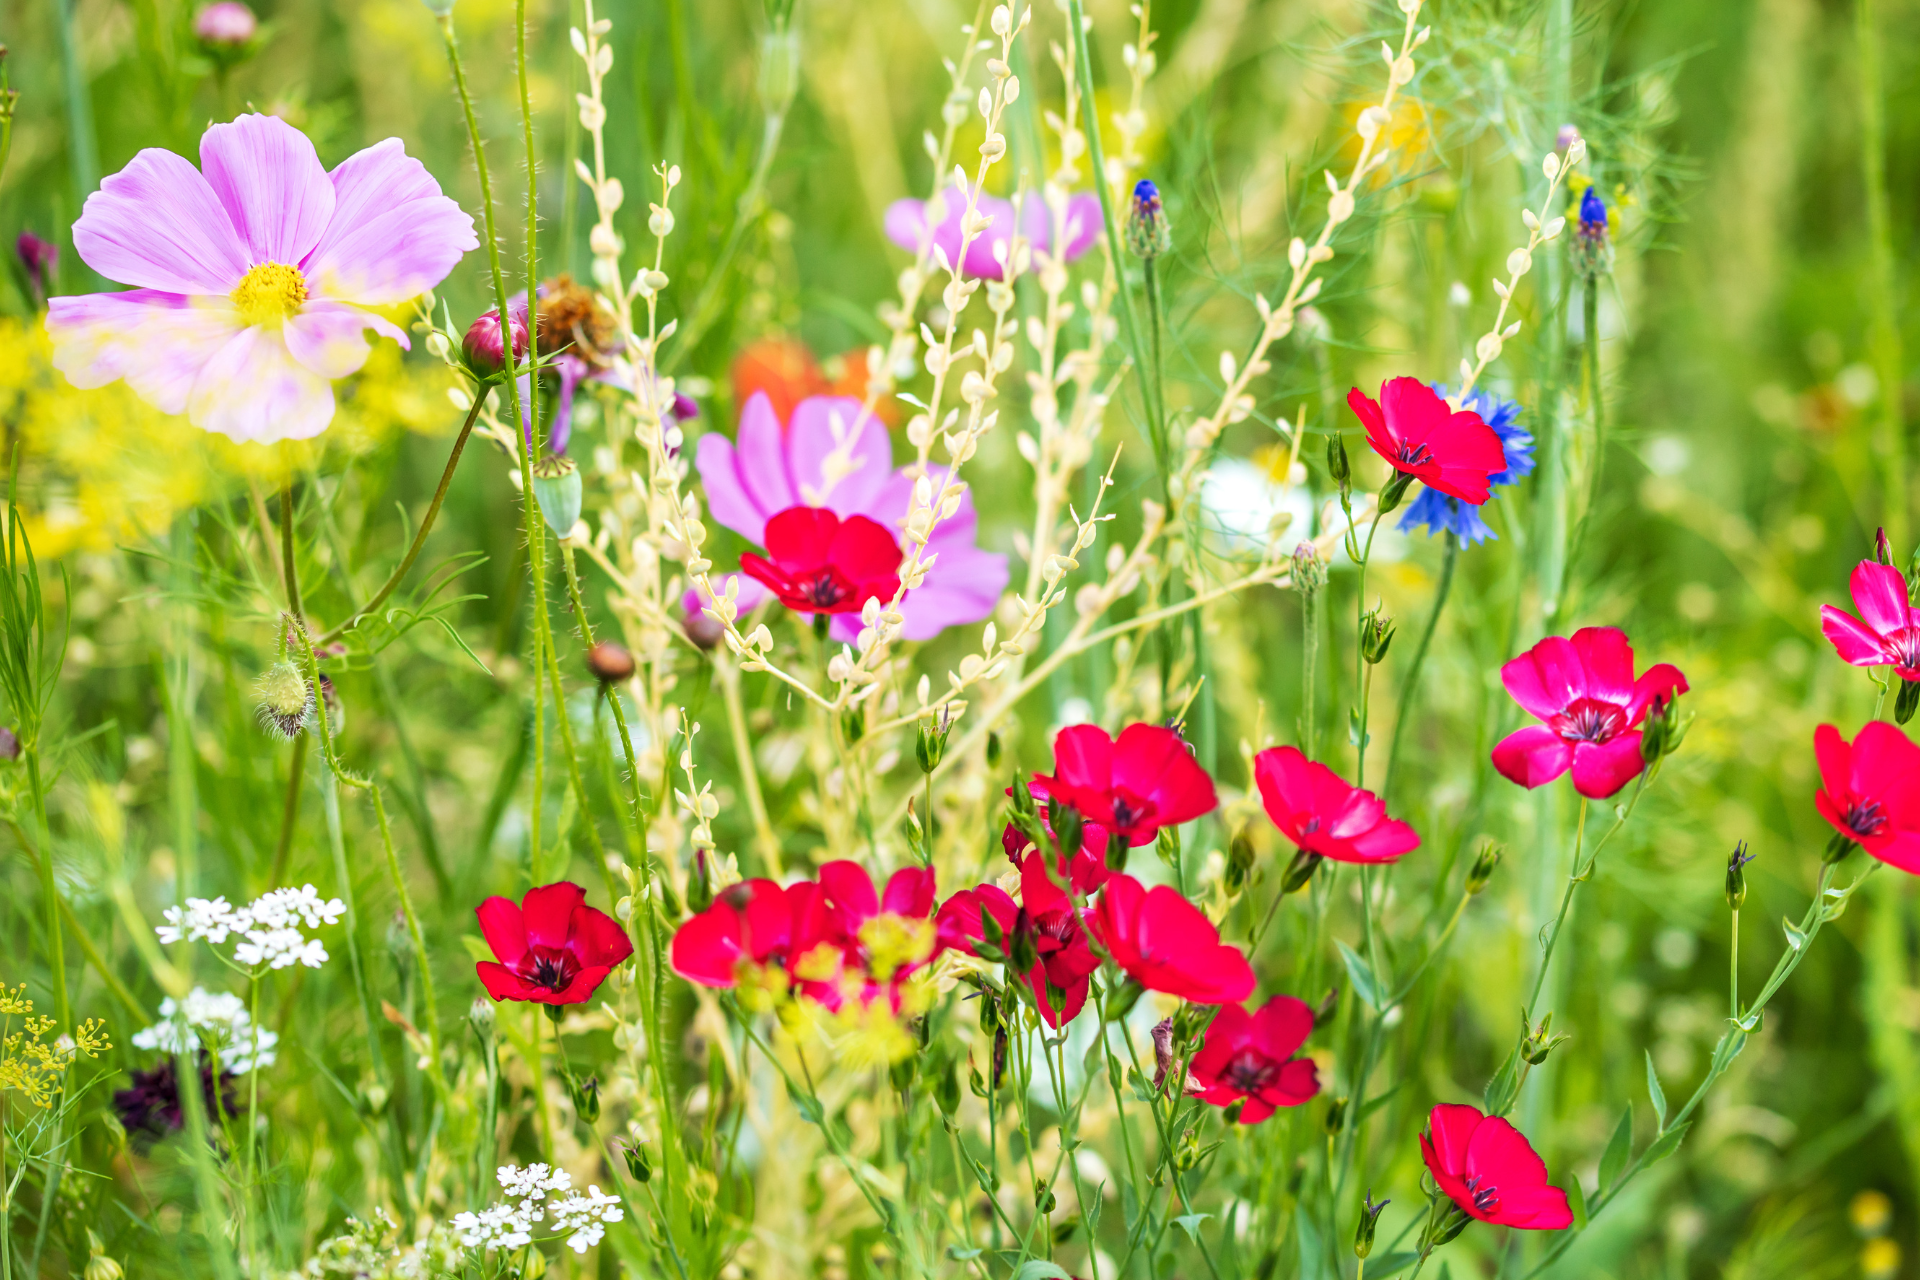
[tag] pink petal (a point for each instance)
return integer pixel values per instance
(1880, 593)
(1852, 639)
(980, 257)
(1546, 678)
(1602, 769)
(1084, 225)
(329, 337)
(1608, 660)
(851, 889)
(393, 235)
(1281, 1026)
(836, 428)
(761, 459)
(963, 586)
(906, 224)
(1835, 758)
(909, 892)
(706, 948)
(158, 342)
(547, 913)
(1659, 682)
(157, 224)
(270, 182)
(1453, 1126)
(1533, 756)
(253, 389)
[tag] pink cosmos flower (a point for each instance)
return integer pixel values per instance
(832, 456)
(852, 942)
(906, 226)
(1870, 790)
(1250, 1055)
(1452, 450)
(251, 273)
(1584, 691)
(227, 22)
(1322, 813)
(1887, 632)
(1046, 917)
(1488, 1168)
(748, 929)
(1165, 943)
(1132, 786)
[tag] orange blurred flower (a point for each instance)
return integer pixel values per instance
(785, 368)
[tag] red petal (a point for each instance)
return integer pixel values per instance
(581, 988)
(850, 888)
(1886, 767)
(909, 892)
(1533, 756)
(799, 539)
(707, 947)
(502, 984)
(1452, 1126)
(547, 913)
(1281, 1026)
(1601, 769)
(1533, 1209)
(1662, 681)
(1499, 1153)
(1546, 678)
(764, 573)
(1083, 757)
(1835, 758)
(1880, 593)
(598, 939)
(500, 926)
(1608, 661)
(1153, 762)
(863, 549)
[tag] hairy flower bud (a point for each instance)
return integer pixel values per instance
(610, 663)
(1737, 875)
(1239, 863)
(1483, 867)
(1309, 570)
(485, 352)
(1148, 233)
(285, 699)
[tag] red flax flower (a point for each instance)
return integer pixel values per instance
(1316, 809)
(1870, 791)
(1165, 943)
(1044, 916)
(1488, 1168)
(820, 563)
(1087, 870)
(850, 941)
(1250, 1055)
(1585, 692)
(1132, 786)
(552, 948)
(1887, 632)
(1419, 435)
(744, 938)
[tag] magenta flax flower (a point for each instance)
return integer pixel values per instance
(251, 274)
(1591, 706)
(907, 220)
(832, 455)
(1887, 632)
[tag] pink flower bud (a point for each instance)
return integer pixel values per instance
(483, 348)
(228, 24)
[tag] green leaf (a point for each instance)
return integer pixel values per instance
(1360, 974)
(1665, 1145)
(1312, 1256)
(1190, 1223)
(1577, 1201)
(1653, 1091)
(1040, 1269)
(1388, 1264)
(1374, 1103)
(1353, 729)
(1092, 1209)
(957, 1254)
(1619, 1149)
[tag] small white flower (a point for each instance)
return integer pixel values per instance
(212, 919)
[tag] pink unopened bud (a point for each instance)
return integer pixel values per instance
(227, 25)
(40, 258)
(483, 349)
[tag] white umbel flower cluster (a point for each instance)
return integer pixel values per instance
(271, 928)
(218, 1017)
(582, 1218)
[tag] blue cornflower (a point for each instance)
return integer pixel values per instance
(1441, 513)
(1593, 212)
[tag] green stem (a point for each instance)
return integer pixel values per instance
(1575, 878)
(1410, 687)
(1309, 664)
(1882, 277)
(1733, 968)
(1362, 669)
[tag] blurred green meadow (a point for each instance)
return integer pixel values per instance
(1760, 374)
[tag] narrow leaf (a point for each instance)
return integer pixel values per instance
(1360, 974)
(1665, 1145)
(1577, 1201)
(1654, 1092)
(1040, 1269)
(1619, 1149)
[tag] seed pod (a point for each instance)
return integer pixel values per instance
(1363, 1232)
(1737, 875)
(610, 663)
(556, 483)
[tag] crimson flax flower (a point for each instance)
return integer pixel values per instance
(1488, 1168)
(1046, 919)
(1420, 435)
(1250, 1056)
(1086, 871)
(1165, 943)
(1887, 632)
(818, 563)
(1584, 691)
(744, 938)
(552, 948)
(1322, 813)
(853, 941)
(1133, 785)
(1870, 791)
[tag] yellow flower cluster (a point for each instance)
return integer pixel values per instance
(31, 1066)
(104, 467)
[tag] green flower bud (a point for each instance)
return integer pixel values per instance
(1300, 870)
(1337, 465)
(1484, 864)
(1376, 636)
(556, 483)
(1148, 232)
(1369, 1218)
(1737, 876)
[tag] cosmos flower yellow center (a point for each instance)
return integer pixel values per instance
(270, 293)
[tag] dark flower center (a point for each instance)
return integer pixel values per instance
(1130, 810)
(549, 967)
(1590, 720)
(1310, 826)
(1904, 647)
(1413, 455)
(1486, 1199)
(826, 589)
(1250, 1071)
(1864, 817)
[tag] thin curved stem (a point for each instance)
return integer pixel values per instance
(1410, 687)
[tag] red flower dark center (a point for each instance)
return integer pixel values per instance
(1250, 1071)
(1486, 1199)
(549, 967)
(1412, 455)
(1590, 720)
(1864, 818)
(826, 588)
(1130, 810)
(1904, 647)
